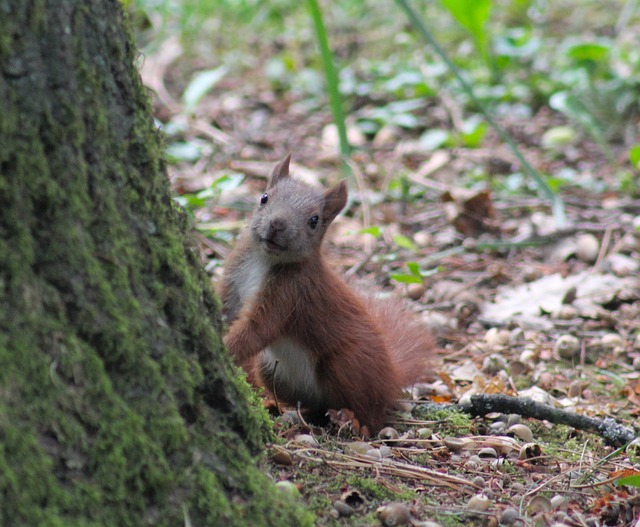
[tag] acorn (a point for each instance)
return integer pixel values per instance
(587, 248)
(388, 433)
(393, 514)
(521, 431)
(567, 347)
(478, 503)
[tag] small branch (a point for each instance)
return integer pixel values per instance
(612, 432)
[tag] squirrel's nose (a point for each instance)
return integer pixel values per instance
(278, 224)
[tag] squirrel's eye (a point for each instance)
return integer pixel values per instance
(313, 221)
(264, 199)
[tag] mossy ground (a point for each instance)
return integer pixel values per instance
(118, 405)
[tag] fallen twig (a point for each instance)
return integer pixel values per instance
(611, 431)
(387, 466)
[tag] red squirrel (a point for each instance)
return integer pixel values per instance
(295, 324)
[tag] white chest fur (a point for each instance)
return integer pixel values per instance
(295, 367)
(250, 276)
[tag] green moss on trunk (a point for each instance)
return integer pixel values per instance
(118, 405)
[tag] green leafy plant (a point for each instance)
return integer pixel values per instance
(404, 242)
(473, 16)
(374, 231)
(188, 151)
(595, 94)
(201, 83)
(398, 113)
(224, 183)
(631, 480)
(414, 276)
(634, 156)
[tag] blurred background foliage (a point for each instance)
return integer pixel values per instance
(578, 58)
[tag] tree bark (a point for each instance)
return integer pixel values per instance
(118, 403)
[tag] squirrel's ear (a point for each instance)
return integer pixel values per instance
(334, 201)
(281, 170)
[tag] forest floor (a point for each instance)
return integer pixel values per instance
(522, 305)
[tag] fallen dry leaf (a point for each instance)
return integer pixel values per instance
(471, 213)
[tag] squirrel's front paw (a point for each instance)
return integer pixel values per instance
(242, 345)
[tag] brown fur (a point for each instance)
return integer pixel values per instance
(281, 296)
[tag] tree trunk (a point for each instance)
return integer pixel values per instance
(118, 404)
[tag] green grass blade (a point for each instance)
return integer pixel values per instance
(332, 81)
(557, 205)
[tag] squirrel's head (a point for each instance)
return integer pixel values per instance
(292, 217)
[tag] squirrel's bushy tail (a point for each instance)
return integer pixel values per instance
(410, 342)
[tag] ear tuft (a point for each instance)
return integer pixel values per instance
(334, 201)
(280, 171)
